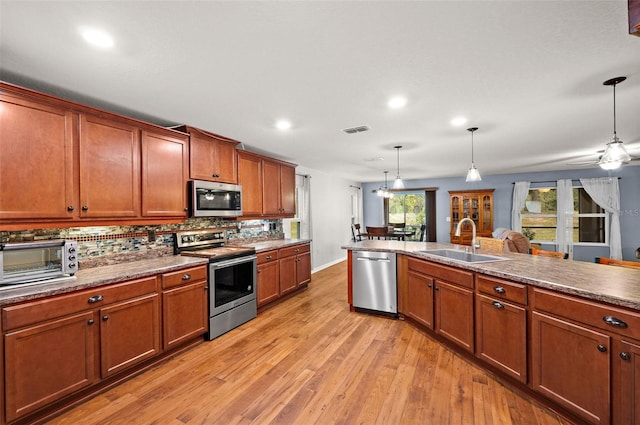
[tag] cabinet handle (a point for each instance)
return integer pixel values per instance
(437, 289)
(625, 356)
(186, 276)
(613, 321)
(95, 299)
(70, 208)
(90, 322)
(429, 285)
(602, 348)
(268, 257)
(105, 318)
(498, 305)
(499, 289)
(85, 208)
(186, 208)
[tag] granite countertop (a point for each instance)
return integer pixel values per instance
(98, 276)
(275, 244)
(614, 285)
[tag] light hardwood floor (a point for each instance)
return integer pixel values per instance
(309, 361)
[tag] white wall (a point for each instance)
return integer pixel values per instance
(331, 213)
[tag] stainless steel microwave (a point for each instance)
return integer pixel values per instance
(40, 261)
(210, 199)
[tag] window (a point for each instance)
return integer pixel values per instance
(539, 217)
(409, 208)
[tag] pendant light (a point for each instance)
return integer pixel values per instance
(473, 175)
(383, 191)
(615, 154)
(398, 183)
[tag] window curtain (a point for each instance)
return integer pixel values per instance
(564, 225)
(520, 192)
(304, 208)
(606, 193)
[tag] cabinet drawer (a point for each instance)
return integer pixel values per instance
(503, 289)
(294, 250)
(45, 309)
(611, 319)
(265, 257)
(184, 276)
(445, 273)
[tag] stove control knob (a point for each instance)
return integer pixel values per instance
(72, 257)
(72, 249)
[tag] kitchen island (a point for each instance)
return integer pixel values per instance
(538, 323)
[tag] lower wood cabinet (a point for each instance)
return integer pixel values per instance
(268, 281)
(626, 381)
(283, 271)
(420, 298)
(454, 313)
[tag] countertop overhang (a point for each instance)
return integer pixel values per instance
(614, 285)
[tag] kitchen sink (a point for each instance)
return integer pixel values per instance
(466, 257)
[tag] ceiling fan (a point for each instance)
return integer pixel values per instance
(614, 154)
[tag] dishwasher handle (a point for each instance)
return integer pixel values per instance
(383, 259)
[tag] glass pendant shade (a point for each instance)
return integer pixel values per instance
(383, 191)
(614, 154)
(398, 183)
(473, 175)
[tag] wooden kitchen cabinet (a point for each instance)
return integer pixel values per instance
(250, 178)
(501, 325)
(212, 157)
(109, 168)
(420, 298)
(454, 313)
(37, 145)
(476, 205)
(295, 267)
(626, 381)
(279, 186)
(268, 282)
(184, 305)
(164, 175)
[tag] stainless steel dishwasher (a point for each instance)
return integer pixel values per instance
(374, 279)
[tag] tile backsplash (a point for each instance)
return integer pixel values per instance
(104, 245)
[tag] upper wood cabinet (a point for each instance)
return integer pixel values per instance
(164, 175)
(36, 159)
(250, 178)
(212, 157)
(476, 205)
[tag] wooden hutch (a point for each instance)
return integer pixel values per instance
(475, 204)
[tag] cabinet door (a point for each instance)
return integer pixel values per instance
(570, 365)
(164, 176)
(420, 298)
(185, 313)
(36, 159)
(454, 313)
(271, 188)
(250, 178)
(129, 333)
(303, 268)
(626, 392)
(226, 162)
(287, 274)
(211, 159)
(287, 190)
(109, 168)
(268, 282)
(48, 361)
(501, 336)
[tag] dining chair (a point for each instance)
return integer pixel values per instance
(376, 232)
(553, 254)
(355, 232)
(621, 263)
(423, 232)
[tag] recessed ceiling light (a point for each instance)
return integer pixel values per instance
(397, 102)
(458, 121)
(283, 125)
(97, 38)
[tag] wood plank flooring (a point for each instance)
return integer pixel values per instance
(309, 360)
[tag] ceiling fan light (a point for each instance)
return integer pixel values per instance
(610, 165)
(615, 152)
(473, 175)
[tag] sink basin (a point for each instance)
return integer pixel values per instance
(466, 257)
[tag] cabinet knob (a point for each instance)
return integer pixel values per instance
(268, 257)
(85, 208)
(95, 299)
(498, 305)
(625, 356)
(186, 208)
(602, 348)
(614, 321)
(70, 208)
(105, 318)
(90, 322)
(429, 285)
(499, 289)
(186, 276)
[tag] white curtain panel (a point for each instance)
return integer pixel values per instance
(564, 226)
(520, 192)
(304, 209)
(606, 193)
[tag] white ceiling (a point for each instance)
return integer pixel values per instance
(529, 74)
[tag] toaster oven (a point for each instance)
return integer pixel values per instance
(40, 261)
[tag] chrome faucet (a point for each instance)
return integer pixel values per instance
(473, 226)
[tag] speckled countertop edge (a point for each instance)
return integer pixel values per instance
(275, 244)
(99, 276)
(614, 285)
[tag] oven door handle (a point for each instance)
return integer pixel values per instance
(233, 262)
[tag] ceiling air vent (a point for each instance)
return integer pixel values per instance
(354, 130)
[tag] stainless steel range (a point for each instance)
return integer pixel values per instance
(232, 277)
